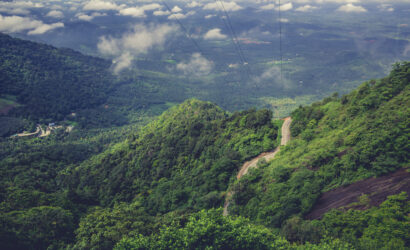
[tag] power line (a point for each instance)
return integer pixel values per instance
(280, 44)
(184, 29)
(234, 38)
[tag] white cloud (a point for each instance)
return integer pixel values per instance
(306, 8)
(152, 6)
(209, 16)
(273, 74)
(139, 41)
(45, 28)
(17, 23)
(286, 7)
(197, 66)
(134, 12)
(14, 11)
(180, 15)
(229, 6)
(193, 4)
(18, 7)
(55, 14)
(139, 11)
(177, 16)
(100, 5)
(270, 6)
(214, 34)
(11, 24)
(176, 9)
(85, 17)
(123, 61)
(109, 46)
(351, 8)
(21, 4)
(283, 20)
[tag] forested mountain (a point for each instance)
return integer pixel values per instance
(337, 142)
(49, 82)
(164, 186)
(184, 160)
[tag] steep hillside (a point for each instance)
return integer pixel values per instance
(184, 160)
(48, 82)
(336, 142)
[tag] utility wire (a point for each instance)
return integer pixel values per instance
(228, 24)
(234, 37)
(184, 29)
(230, 34)
(280, 44)
(245, 62)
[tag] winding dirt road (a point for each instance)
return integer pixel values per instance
(38, 129)
(40, 132)
(268, 156)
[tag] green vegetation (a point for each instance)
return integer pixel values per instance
(337, 141)
(384, 227)
(50, 82)
(161, 186)
(181, 162)
(7, 100)
(207, 230)
(184, 160)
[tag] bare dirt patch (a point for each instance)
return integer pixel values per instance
(377, 190)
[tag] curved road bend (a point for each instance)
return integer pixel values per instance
(268, 156)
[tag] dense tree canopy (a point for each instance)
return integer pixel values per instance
(336, 142)
(51, 82)
(162, 186)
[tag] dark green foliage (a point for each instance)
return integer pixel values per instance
(384, 227)
(208, 230)
(297, 230)
(51, 82)
(61, 191)
(336, 142)
(36, 228)
(12, 125)
(103, 227)
(182, 161)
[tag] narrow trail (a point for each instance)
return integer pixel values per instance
(268, 156)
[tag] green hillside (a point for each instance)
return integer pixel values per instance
(163, 187)
(336, 142)
(184, 160)
(50, 82)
